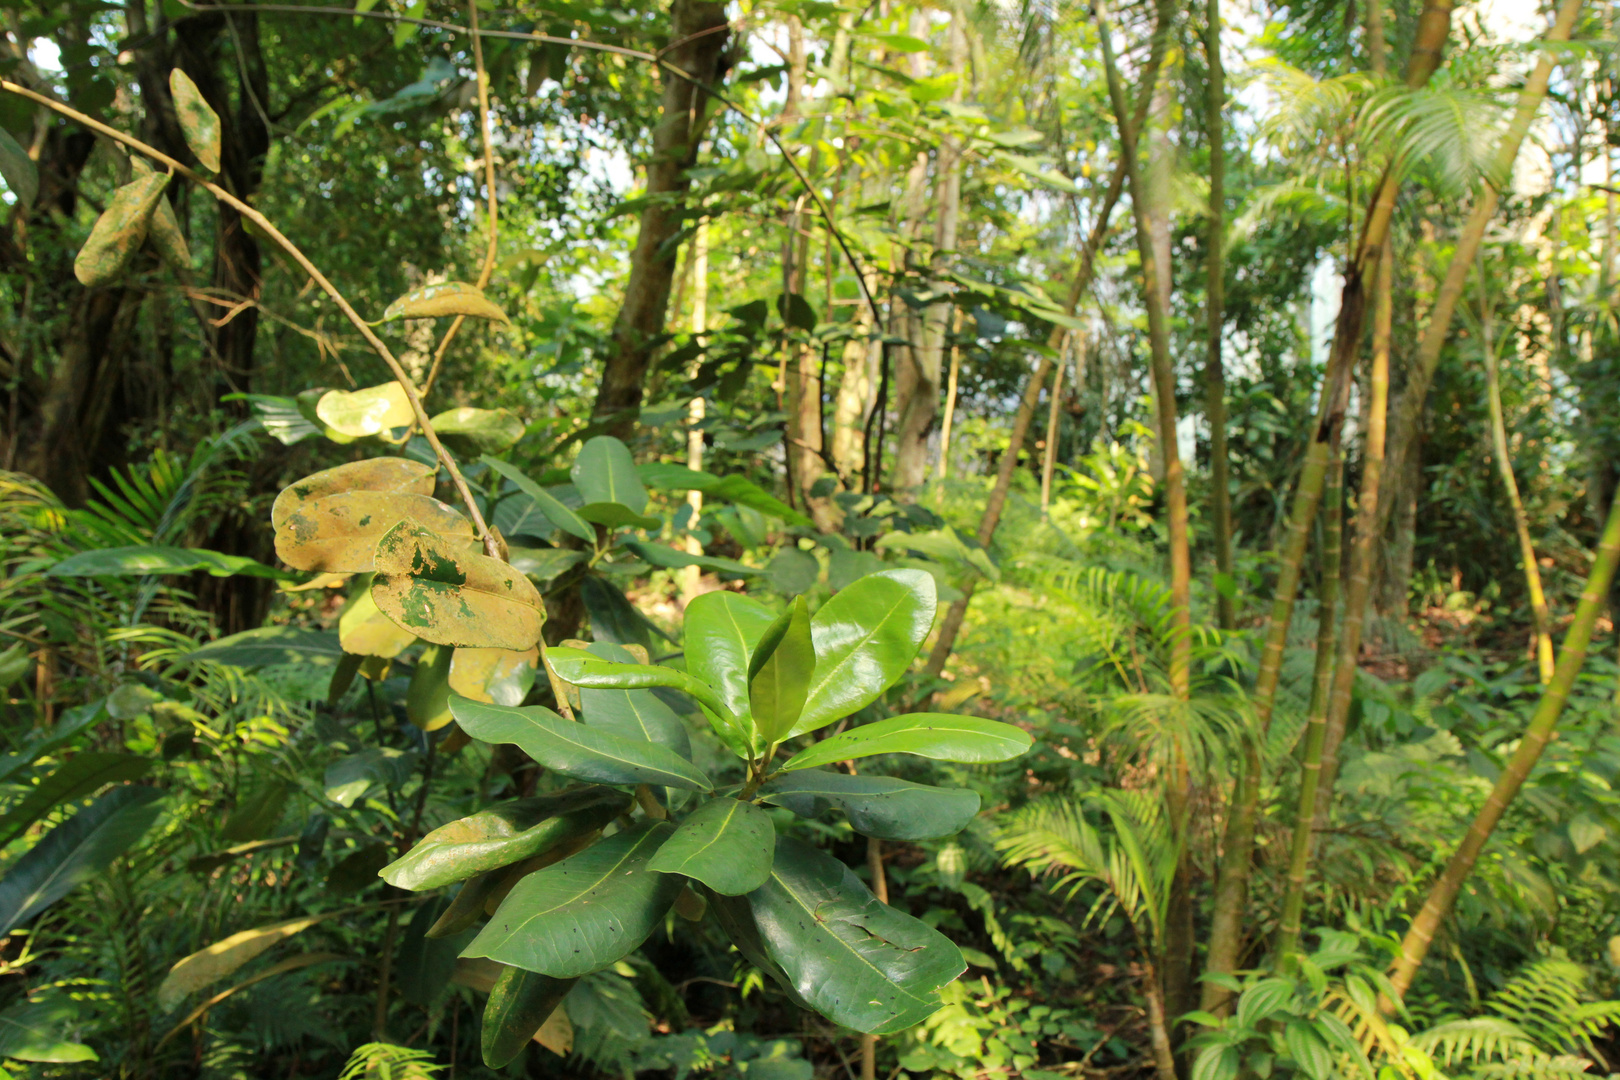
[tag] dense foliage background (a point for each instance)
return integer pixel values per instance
(912, 287)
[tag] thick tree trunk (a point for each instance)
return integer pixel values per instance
(699, 29)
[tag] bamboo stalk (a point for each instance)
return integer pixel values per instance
(1232, 883)
(1504, 464)
(1542, 727)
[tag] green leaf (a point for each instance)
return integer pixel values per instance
(1308, 1050)
(732, 489)
(370, 411)
(941, 736)
(207, 966)
(270, 645)
(445, 298)
(79, 776)
(142, 559)
(1216, 1063)
(858, 962)
(199, 123)
(727, 844)
(586, 912)
(878, 806)
(32, 1031)
(544, 565)
(478, 431)
(75, 851)
(632, 714)
(558, 514)
(502, 676)
(427, 699)
(604, 472)
(866, 637)
(587, 671)
(396, 475)
(502, 835)
(779, 672)
(671, 559)
(18, 170)
(257, 813)
(577, 750)
(119, 231)
(519, 1004)
(722, 629)
(617, 516)
(1262, 999)
(349, 778)
(454, 597)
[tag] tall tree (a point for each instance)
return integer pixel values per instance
(698, 32)
(1220, 482)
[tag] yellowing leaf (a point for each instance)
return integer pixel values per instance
(370, 411)
(164, 228)
(449, 595)
(198, 121)
(374, 474)
(445, 298)
(119, 231)
(365, 631)
(500, 676)
(340, 532)
(223, 957)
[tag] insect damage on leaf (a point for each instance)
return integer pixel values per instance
(448, 594)
(120, 230)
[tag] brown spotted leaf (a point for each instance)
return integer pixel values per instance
(449, 595)
(374, 474)
(445, 298)
(370, 411)
(340, 532)
(164, 229)
(119, 230)
(198, 121)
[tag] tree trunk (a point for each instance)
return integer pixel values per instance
(1049, 458)
(1415, 946)
(1232, 885)
(698, 407)
(921, 403)
(699, 29)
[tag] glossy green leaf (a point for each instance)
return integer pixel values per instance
(613, 617)
(576, 750)
(349, 778)
(369, 411)
(503, 835)
(734, 489)
(519, 1004)
(472, 431)
(727, 844)
(199, 123)
(466, 908)
(18, 170)
(442, 299)
(266, 646)
(544, 565)
(942, 736)
(80, 775)
(587, 671)
(119, 231)
(33, 1031)
(722, 629)
(454, 597)
(560, 516)
(604, 472)
(75, 851)
(427, 700)
(143, 559)
(779, 672)
(879, 806)
(586, 912)
(632, 714)
(397, 475)
(857, 961)
(671, 559)
(866, 637)
(617, 516)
